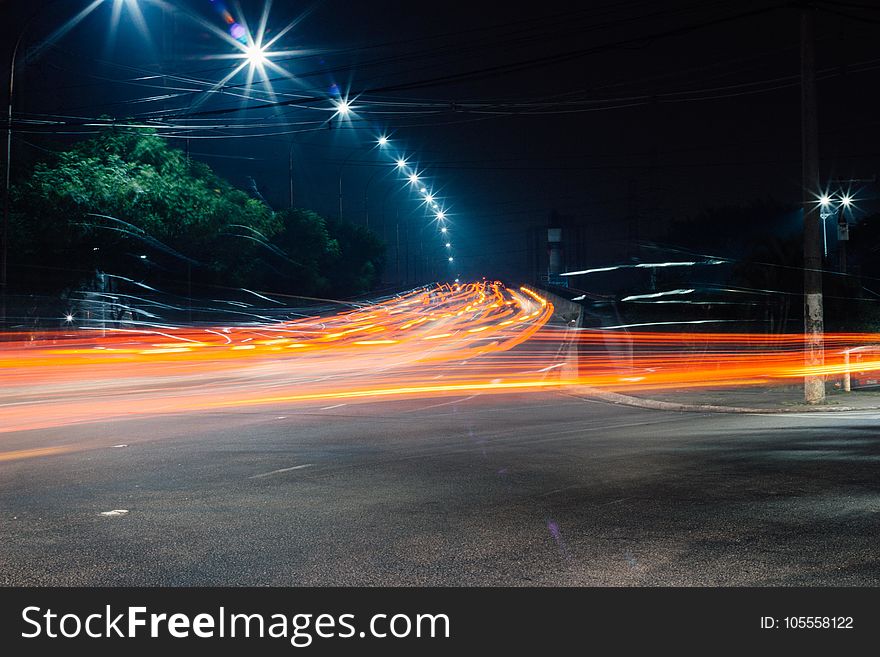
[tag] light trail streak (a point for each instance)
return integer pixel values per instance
(480, 338)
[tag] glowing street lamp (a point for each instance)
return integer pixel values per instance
(382, 141)
(256, 55)
(441, 215)
(343, 107)
(443, 230)
(450, 258)
(414, 178)
(844, 202)
(401, 163)
(448, 245)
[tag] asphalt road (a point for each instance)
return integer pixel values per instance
(506, 489)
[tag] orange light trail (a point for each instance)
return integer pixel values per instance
(447, 340)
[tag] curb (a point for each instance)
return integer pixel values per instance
(638, 402)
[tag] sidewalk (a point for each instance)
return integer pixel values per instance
(752, 399)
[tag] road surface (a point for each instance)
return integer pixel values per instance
(484, 486)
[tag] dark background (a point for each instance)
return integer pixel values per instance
(624, 117)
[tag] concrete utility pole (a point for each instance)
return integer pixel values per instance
(814, 327)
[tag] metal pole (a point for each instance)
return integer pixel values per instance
(6, 187)
(341, 167)
(814, 329)
(290, 174)
(367, 198)
(340, 193)
(4, 254)
(406, 253)
(847, 383)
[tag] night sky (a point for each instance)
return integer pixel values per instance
(624, 116)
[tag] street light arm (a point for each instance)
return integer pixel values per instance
(8, 162)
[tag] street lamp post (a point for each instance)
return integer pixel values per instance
(842, 236)
(8, 179)
(381, 142)
(827, 210)
(4, 257)
(366, 199)
(391, 190)
(341, 167)
(290, 174)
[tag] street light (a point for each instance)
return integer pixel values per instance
(826, 201)
(382, 141)
(441, 215)
(343, 107)
(401, 163)
(255, 55)
(414, 178)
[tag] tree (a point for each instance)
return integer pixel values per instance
(358, 265)
(124, 194)
(305, 247)
(126, 203)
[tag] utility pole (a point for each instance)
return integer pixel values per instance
(366, 207)
(340, 195)
(814, 329)
(290, 174)
(4, 265)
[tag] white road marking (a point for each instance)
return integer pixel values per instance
(115, 512)
(295, 467)
(327, 408)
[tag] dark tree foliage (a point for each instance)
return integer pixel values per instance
(127, 203)
(124, 194)
(305, 242)
(359, 262)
